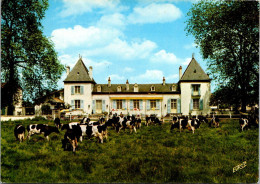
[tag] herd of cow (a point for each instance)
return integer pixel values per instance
(75, 131)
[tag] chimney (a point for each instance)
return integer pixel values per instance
(109, 82)
(180, 73)
(163, 81)
(68, 70)
(90, 72)
(127, 85)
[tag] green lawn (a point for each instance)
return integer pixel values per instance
(153, 154)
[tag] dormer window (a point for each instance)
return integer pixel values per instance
(136, 87)
(99, 89)
(119, 88)
(152, 88)
(174, 87)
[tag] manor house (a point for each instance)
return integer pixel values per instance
(189, 96)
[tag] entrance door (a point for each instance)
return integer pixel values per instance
(99, 106)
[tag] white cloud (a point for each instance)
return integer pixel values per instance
(190, 46)
(186, 62)
(78, 7)
(172, 78)
(116, 20)
(80, 36)
(155, 13)
(123, 50)
(116, 78)
(70, 61)
(150, 76)
(163, 57)
(128, 69)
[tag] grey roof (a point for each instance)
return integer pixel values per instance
(142, 88)
(194, 72)
(79, 73)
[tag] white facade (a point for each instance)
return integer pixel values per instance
(188, 97)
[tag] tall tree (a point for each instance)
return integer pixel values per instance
(228, 35)
(28, 57)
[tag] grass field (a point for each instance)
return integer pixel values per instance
(153, 154)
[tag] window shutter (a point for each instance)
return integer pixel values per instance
(178, 105)
(141, 104)
(157, 104)
(191, 104)
(199, 89)
(72, 104)
(124, 104)
(81, 90)
(72, 90)
(94, 106)
(131, 105)
(192, 90)
(82, 104)
(169, 106)
(103, 105)
(201, 104)
(114, 104)
(148, 104)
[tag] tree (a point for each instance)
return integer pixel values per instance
(28, 57)
(228, 35)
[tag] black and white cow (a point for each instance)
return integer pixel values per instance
(214, 122)
(70, 140)
(57, 122)
(75, 127)
(124, 123)
(138, 123)
(244, 123)
(19, 132)
(147, 120)
(41, 129)
(203, 119)
(98, 131)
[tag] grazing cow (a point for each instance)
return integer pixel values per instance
(194, 124)
(41, 129)
(244, 123)
(84, 121)
(147, 120)
(75, 127)
(57, 122)
(70, 140)
(126, 124)
(183, 123)
(175, 123)
(203, 119)
(138, 123)
(96, 131)
(19, 132)
(214, 122)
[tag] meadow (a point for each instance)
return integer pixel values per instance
(153, 154)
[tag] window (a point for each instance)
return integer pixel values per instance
(119, 104)
(77, 89)
(196, 88)
(77, 104)
(99, 89)
(195, 103)
(118, 88)
(136, 87)
(153, 104)
(152, 88)
(173, 103)
(136, 104)
(173, 87)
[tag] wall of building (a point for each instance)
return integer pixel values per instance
(86, 97)
(186, 95)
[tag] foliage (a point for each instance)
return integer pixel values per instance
(228, 35)
(28, 58)
(152, 155)
(38, 118)
(46, 109)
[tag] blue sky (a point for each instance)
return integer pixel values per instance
(139, 40)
